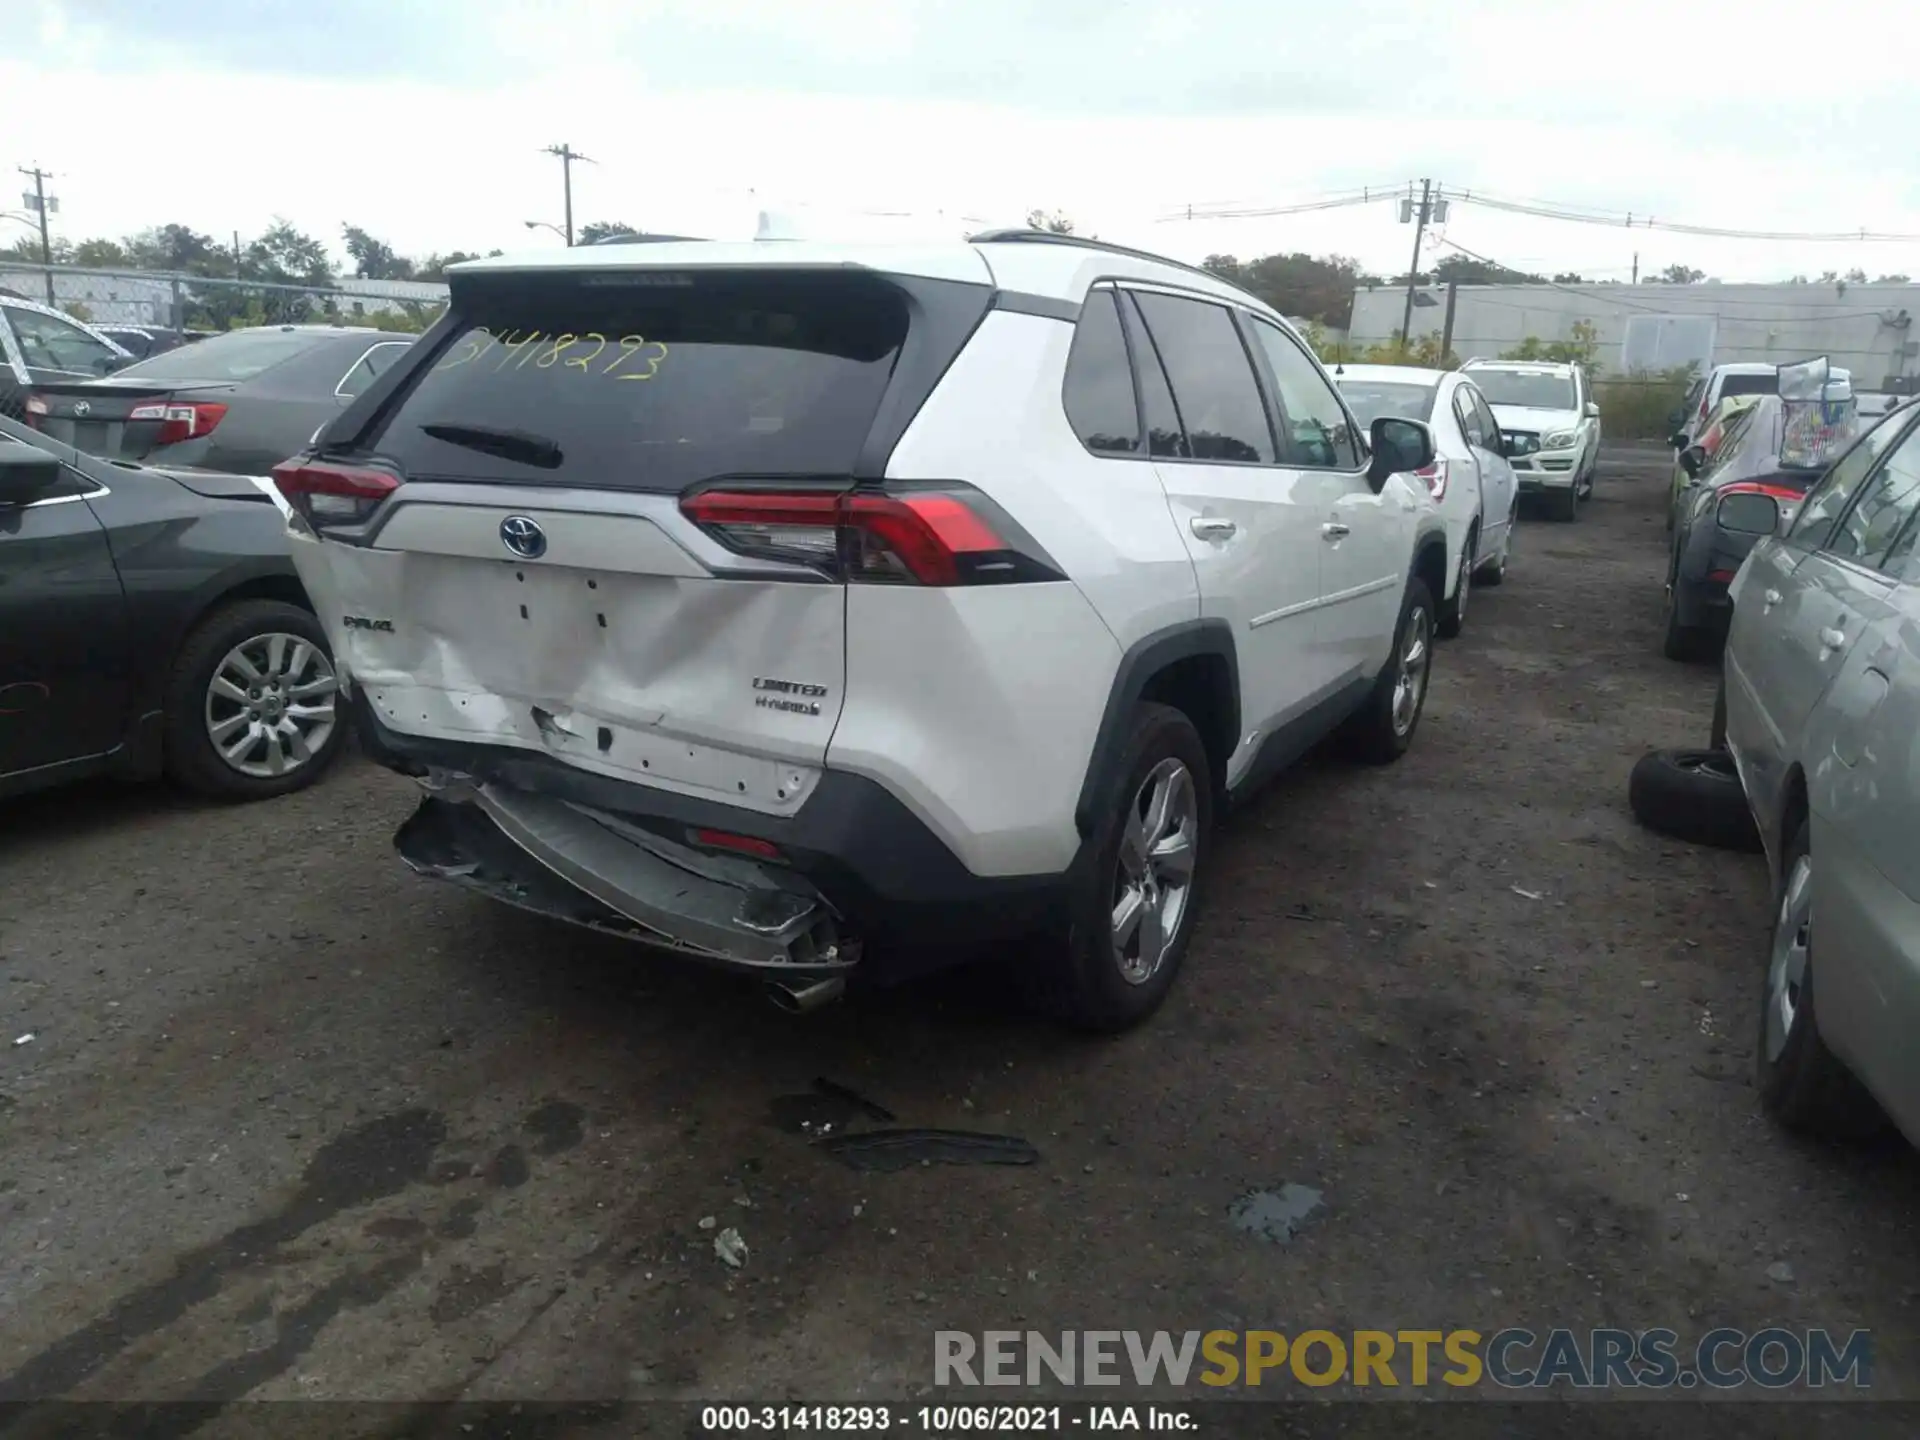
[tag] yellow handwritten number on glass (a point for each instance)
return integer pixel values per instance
(472, 345)
(600, 343)
(553, 352)
(631, 345)
(519, 348)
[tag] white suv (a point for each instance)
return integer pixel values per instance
(805, 608)
(1551, 423)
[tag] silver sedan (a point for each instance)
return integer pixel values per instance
(1821, 711)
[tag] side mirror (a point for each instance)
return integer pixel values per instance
(1593, 409)
(25, 473)
(1693, 459)
(1398, 446)
(1676, 418)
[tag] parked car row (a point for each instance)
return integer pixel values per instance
(1811, 754)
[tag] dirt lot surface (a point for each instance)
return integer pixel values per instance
(294, 1123)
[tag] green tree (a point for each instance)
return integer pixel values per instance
(1679, 275)
(596, 231)
(1057, 223)
(374, 259)
(1893, 280)
(1579, 348)
(434, 267)
(27, 248)
(178, 247)
(1313, 287)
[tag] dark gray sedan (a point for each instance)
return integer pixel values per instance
(239, 402)
(151, 622)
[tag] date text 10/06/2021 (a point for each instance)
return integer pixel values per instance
(944, 1419)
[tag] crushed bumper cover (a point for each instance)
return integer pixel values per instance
(586, 867)
(885, 878)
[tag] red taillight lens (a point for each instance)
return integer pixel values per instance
(36, 409)
(1720, 577)
(931, 537)
(1436, 477)
(179, 422)
(739, 844)
(326, 494)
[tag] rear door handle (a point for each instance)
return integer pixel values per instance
(1334, 530)
(1212, 527)
(1833, 638)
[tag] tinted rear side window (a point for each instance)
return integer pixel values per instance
(236, 355)
(1099, 385)
(1748, 385)
(647, 380)
(1212, 378)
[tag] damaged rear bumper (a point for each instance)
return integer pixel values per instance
(889, 884)
(586, 867)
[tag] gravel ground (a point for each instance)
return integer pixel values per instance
(293, 1123)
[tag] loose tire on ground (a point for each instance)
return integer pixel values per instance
(191, 758)
(1804, 1086)
(1085, 981)
(1692, 795)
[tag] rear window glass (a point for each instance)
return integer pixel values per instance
(1748, 385)
(1370, 399)
(236, 355)
(651, 380)
(1528, 389)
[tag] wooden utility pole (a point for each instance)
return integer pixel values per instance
(1413, 270)
(1446, 328)
(40, 202)
(567, 155)
(1636, 267)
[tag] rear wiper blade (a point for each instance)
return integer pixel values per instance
(520, 445)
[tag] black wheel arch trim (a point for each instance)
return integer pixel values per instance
(1144, 659)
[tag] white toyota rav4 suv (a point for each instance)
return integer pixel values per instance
(822, 610)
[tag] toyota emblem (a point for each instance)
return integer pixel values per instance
(523, 536)
(81, 407)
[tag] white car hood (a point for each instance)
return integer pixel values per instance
(1525, 417)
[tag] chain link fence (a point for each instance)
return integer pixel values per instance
(177, 301)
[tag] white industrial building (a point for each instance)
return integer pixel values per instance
(1867, 329)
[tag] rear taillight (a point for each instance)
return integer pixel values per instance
(944, 536)
(179, 421)
(1436, 477)
(325, 494)
(37, 409)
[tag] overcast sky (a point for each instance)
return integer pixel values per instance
(423, 120)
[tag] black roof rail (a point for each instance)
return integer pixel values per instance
(1053, 237)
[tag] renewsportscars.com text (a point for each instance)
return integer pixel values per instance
(1512, 1358)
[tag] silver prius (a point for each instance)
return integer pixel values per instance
(1822, 715)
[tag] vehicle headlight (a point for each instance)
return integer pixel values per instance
(1560, 440)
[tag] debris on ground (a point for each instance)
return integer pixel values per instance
(1275, 1215)
(707, 1222)
(888, 1150)
(1527, 894)
(26, 1039)
(872, 1109)
(730, 1247)
(1780, 1272)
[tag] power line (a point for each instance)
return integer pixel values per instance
(1619, 219)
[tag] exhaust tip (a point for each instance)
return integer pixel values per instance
(801, 999)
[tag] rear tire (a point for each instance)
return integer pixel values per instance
(1693, 795)
(1380, 731)
(291, 704)
(1803, 1085)
(1155, 821)
(1717, 730)
(1683, 642)
(1453, 613)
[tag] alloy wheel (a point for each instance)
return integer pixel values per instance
(1154, 875)
(1410, 679)
(270, 705)
(1787, 966)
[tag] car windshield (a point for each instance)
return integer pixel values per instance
(1767, 384)
(236, 355)
(1370, 399)
(1530, 388)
